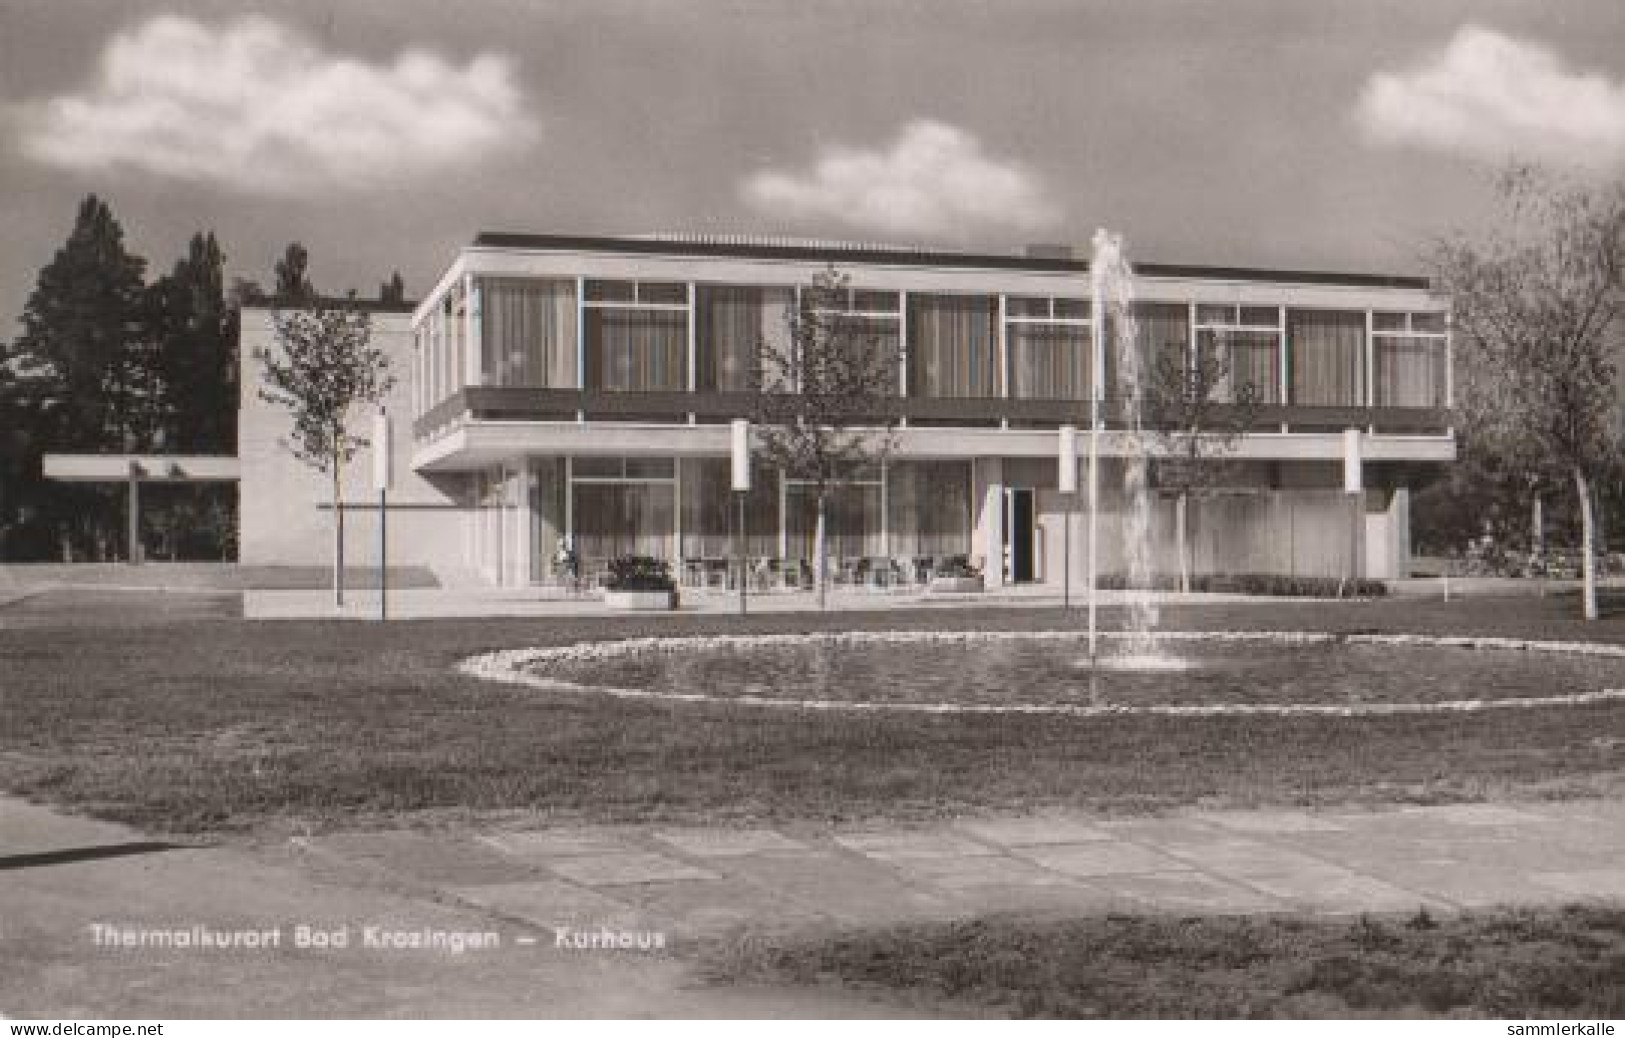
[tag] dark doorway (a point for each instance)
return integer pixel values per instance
(1020, 526)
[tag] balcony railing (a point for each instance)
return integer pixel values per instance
(523, 404)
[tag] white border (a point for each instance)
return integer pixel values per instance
(517, 667)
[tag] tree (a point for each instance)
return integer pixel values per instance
(293, 287)
(325, 367)
(1198, 417)
(393, 290)
(78, 377)
(1538, 301)
(822, 399)
(195, 330)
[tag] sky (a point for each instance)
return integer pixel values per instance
(383, 134)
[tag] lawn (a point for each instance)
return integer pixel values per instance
(171, 712)
(1508, 964)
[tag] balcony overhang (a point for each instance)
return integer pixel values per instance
(473, 445)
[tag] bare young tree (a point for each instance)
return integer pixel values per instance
(823, 400)
(1197, 418)
(1538, 301)
(324, 368)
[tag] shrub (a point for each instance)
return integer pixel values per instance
(1262, 584)
(640, 573)
(955, 566)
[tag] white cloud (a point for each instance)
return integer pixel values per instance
(259, 108)
(1488, 95)
(934, 179)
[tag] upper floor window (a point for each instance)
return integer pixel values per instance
(1248, 339)
(1409, 359)
(636, 335)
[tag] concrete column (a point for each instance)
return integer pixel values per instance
(133, 502)
(988, 537)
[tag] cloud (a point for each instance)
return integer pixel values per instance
(934, 179)
(1488, 95)
(256, 107)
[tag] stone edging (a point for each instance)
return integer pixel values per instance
(513, 666)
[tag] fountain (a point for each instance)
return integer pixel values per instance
(1113, 325)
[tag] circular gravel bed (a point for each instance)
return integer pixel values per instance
(1047, 672)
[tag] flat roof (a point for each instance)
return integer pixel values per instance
(859, 253)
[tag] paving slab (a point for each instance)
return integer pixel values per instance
(978, 870)
(551, 904)
(852, 892)
(1102, 858)
(1034, 831)
(1477, 815)
(1587, 884)
(1465, 885)
(545, 844)
(911, 843)
(703, 908)
(1275, 821)
(607, 870)
(1329, 890)
(429, 858)
(723, 843)
(1240, 857)
(1193, 893)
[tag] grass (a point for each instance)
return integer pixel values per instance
(173, 713)
(1507, 964)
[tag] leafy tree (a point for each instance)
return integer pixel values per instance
(1198, 418)
(293, 287)
(325, 367)
(1539, 299)
(820, 400)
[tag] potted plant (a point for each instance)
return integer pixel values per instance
(639, 582)
(955, 574)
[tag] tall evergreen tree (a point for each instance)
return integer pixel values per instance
(78, 378)
(194, 327)
(293, 287)
(82, 346)
(393, 290)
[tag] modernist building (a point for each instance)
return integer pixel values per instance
(569, 388)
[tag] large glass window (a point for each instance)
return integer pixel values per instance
(528, 332)
(623, 506)
(732, 323)
(953, 346)
(1327, 358)
(631, 349)
(711, 511)
(930, 506)
(853, 515)
(1409, 359)
(1249, 340)
(636, 335)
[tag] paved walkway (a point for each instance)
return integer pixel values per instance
(537, 887)
(699, 881)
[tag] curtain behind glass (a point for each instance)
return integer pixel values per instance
(1161, 330)
(1254, 359)
(614, 519)
(930, 508)
(853, 517)
(953, 346)
(711, 511)
(732, 322)
(1409, 371)
(634, 350)
(528, 333)
(1328, 357)
(1049, 361)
